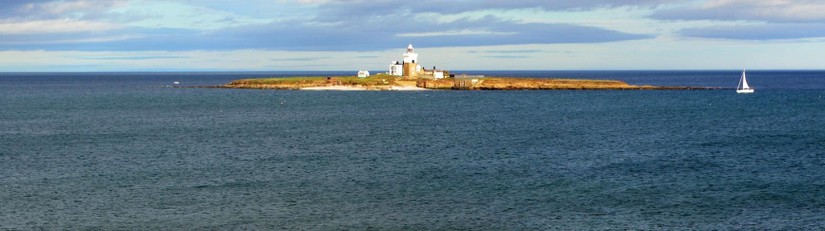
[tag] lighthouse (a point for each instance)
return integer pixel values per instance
(410, 64)
(410, 56)
(410, 68)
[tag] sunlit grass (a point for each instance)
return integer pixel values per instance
(374, 80)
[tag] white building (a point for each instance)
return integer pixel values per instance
(396, 69)
(363, 74)
(438, 74)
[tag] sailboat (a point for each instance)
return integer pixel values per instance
(743, 87)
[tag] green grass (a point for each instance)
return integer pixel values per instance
(374, 80)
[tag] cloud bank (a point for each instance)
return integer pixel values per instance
(300, 34)
(777, 19)
(336, 26)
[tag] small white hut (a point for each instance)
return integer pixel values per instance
(438, 74)
(363, 74)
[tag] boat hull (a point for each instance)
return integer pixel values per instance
(743, 91)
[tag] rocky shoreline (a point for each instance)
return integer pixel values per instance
(389, 83)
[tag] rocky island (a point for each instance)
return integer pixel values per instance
(409, 75)
(389, 82)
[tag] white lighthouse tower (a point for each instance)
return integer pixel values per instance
(408, 67)
(410, 56)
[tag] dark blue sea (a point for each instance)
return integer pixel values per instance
(124, 151)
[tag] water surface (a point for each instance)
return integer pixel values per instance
(123, 151)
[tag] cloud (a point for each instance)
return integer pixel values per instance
(310, 36)
(356, 25)
(387, 34)
(509, 51)
(136, 57)
(758, 32)
(11, 7)
(453, 33)
(340, 9)
(302, 59)
(776, 11)
(53, 9)
(758, 19)
(53, 26)
(43, 24)
(508, 56)
(73, 41)
(383, 24)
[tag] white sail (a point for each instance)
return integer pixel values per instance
(744, 81)
(743, 87)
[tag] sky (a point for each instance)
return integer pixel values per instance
(342, 35)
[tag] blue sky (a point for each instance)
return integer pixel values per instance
(274, 35)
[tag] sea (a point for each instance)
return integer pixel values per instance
(127, 151)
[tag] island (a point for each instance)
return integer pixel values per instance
(408, 74)
(460, 82)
